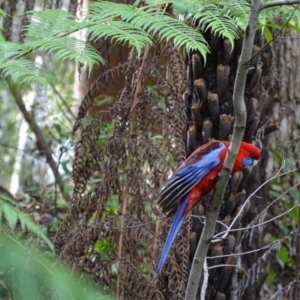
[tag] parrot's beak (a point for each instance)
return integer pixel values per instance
(255, 161)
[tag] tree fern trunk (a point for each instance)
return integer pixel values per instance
(208, 103)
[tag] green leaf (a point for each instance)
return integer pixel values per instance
(271, 277)
(12, 215)
(29, 275)
(295, 28)
(283, 257)
(294, 213)
(268, 35)
(277, 156)
(274, 25)
(295, 195)
(58, 129)
(68, 189)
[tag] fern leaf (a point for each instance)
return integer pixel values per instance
(13, 215)
(23, 70)
(69, 48)
(222, 26)
(51, 23)
(224, 18)
(121, 32)
(104, 11)
(155, 22)
(125, 23)
(9, 49)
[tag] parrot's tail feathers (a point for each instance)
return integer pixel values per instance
(176, 225)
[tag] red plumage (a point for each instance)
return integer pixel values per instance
(194, 179)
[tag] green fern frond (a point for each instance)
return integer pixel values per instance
(224, 18)
(9, 49)
(12, 215)
(103, 11)
(121, 32)
(69, 48)
(50, 23)
(220, 25)
(155, 22)
(125, 23)
(50, 30)
(26, 71)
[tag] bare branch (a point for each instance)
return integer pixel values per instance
(205, 281)
(252, 194)
(278, 3)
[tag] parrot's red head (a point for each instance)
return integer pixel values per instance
(248, 156)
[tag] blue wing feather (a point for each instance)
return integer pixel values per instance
(176, 225)
(197, 166)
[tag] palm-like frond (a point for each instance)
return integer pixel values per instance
(224, 18)
(9, 49)
(51, 31)
(104, 10)
(50, 23)
(121, 32)
(23, 70)
(220, 25)
(155, 22)
(125, 23)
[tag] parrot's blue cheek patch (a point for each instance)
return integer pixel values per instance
(247, 162)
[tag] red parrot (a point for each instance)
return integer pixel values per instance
(195, 178)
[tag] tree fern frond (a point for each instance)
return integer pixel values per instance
(9, 49)
(224, 18)
(69, 48)
(104, 10)
(23, 70)
(157, 2)
(125, 23)
(239, 10)
(220, 25)
(12, 215)
(51, 23)
(121, 32)
(154, 21)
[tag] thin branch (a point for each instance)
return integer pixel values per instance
(205, 280)
(221, 266)
(278, 3)
(251, 226)
(252, 194)
(297, 275)
(43, 146)
(265, 247)
(238, 132)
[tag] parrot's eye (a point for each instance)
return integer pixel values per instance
(251, 153)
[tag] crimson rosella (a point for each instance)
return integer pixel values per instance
(195, 178)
